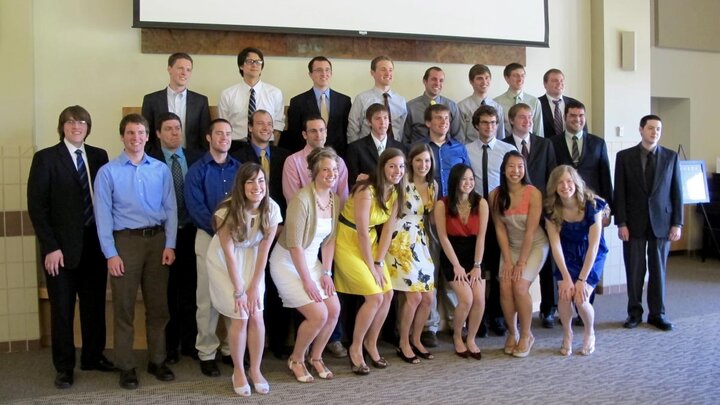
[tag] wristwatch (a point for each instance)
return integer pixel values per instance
(379, 263)
(328, 273)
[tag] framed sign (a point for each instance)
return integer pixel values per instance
(694, 182)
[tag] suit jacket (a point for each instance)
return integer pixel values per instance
(305, 105)
(548, 118)
(246, 153)
(541, 160)
(197, 118)
(594, 166)
(362, 156)
(636, 205)
(55, 200)
(191, 156)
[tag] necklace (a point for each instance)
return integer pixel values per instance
(328, 205)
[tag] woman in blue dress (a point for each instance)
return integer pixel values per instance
(574, 217)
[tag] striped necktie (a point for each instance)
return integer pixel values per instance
(87, 199)
(251, 107)
(557, 118)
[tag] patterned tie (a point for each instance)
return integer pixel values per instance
(575, 150)
(650, 171)
(87, 199)
(178, 182)
(380, 149)
(433, 102)
(485, 187)
(324, 113)
(386, 96)
(557, 118)
(264, 162)
(251, 107)
(524, 150)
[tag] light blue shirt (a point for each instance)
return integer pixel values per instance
(129, 196)
(181, 159)
(318, 94)
(358, 126)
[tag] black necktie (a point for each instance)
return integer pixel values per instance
(386, 100)
(251, 107)
(524, 150)
(179, 184)
(87, 200)
(485, 187)
(650, 171)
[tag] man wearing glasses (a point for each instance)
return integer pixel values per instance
(486, 155)
(240, 101)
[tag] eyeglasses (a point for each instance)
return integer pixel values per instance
(74, 122)
(258, 62)
(491, 123)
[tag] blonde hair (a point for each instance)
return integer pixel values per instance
(553, 204)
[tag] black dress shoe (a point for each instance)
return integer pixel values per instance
(483, 331)
(498, 327)
(660, 323)
(548, 320)
(209, 368)
(128, 379)
(102, 365)
(429, 339)
(227, 359)
(161, 371)
(64, 379)
(631, 322)
(172, 357)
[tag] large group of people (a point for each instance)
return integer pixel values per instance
(349, 226)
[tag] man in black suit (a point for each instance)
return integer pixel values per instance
(191, 107)
(553, 123)
(59, 196)
(540, 155)
(319, 101)
(181, 329)
(649, 215)
(363, 154)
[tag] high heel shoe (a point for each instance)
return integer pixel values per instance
(476, 355)
(306, 377)
(412, 360)
(243, 391)
(524, 351)
(566, 348)
(362, 369)
(588, 345)
(262, 388)
(510, 344)
(325, 374)
(379, 363)
(424, 355)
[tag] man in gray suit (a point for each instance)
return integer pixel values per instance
(648, 213)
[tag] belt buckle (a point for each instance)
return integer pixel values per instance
(148, 232)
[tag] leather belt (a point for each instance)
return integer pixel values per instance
(143, 232)
(346, 222)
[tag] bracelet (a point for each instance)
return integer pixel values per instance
(584, 281)
(238, 293)
(328, 273)
(379, 263)
(477, 264)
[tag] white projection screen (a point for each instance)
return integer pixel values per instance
(508, 22)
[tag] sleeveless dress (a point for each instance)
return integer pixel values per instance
(245, 252)
(574, 241)
(352, 275)
(463, 238)
(409, 262)
(515, 220)
(285, 275)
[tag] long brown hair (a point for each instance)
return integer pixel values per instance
(553, 204)
(378, 181)
(237, 202)
(502, 199)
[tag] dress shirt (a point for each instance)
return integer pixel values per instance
(446, 156)
(318, 94)
(644, 156)
(378, 143)
(208, 183)
(519, 141)
(358, 126)
(496, 153)
(568, 139)
(467, 108)
(181, 159)
(234, 101)
(507, 100)
(415, 128)
(561, 105)
(296, 175)
(72, 148)
(129, 196)
(177, 103)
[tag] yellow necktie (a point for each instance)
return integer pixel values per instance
(264, 162)
(433, 102)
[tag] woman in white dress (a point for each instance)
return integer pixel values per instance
(304, 281)
(245, 227)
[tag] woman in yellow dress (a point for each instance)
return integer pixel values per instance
(359, 262)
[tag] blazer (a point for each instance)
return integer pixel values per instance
(305, 105)
(246, 153)
(635, 204)
(541, 160)
(55, 200)
(362, 156)
(191, 156)
(594, 165)
(548, 118)
(197, 118)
